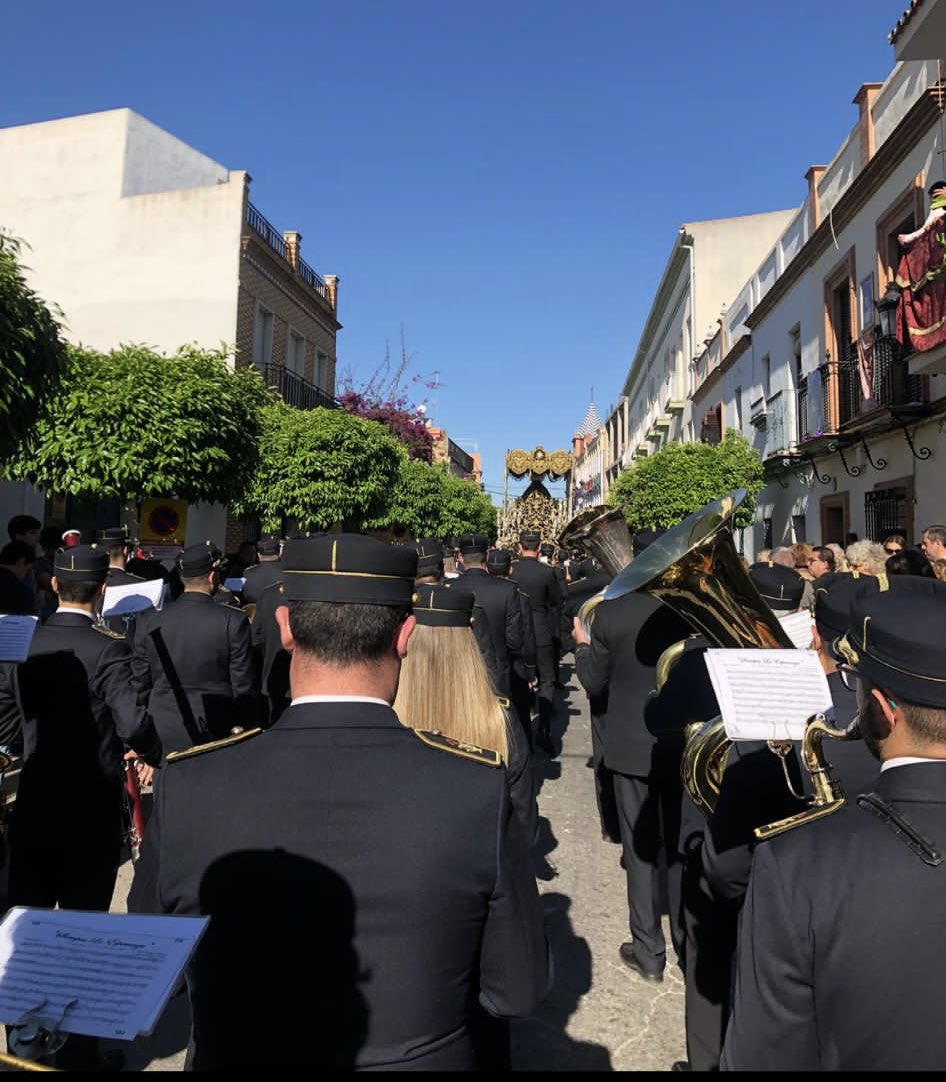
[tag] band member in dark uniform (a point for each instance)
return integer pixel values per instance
(539, 583)
(843, 933)
(114, 539)
(618, 663)
(264, 573)
(522, 674)
(342, 891)
(71, 710)
(497, 598)
(547, 552)
(194, 670)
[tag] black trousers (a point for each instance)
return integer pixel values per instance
(711, 926)
(649, 819)
(545, 673)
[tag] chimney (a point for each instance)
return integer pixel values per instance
(331, 288)
(293, 248)
(864, 99)
(813, 176)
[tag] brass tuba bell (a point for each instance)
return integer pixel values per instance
(602, 532)
(695, 569)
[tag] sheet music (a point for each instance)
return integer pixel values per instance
(798, 628)
(234, 585)
(133, 597)
(767, 694)
(102, 974)
(16, 634)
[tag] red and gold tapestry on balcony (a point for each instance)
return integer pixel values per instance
(921, 276)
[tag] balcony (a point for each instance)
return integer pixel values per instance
(275, 240)
(296, 391)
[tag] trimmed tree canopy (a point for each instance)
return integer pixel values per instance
(683, 477)
(133, 423)
(429, 501)
(322, 467)
(32, 352)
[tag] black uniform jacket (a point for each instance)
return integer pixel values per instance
(364, 889)
(497, 598)
(71, 707)
(258, 577)
(576, 594)
(628, 635)
(194, 671)
(272, 661)
(539, 583)
(843, 941)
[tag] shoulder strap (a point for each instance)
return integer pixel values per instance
(456, 747)
(212, 745)
(902, 828)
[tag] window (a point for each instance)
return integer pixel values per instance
(903, 216)
(737, 408)
(295, 353)
(322, 373)
(798, 528)
(794, 337)
(263, 337)
(865, 303)
(766, 376)
(766, 533)
(841, 384)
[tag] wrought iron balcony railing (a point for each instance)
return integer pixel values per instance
(295, 390)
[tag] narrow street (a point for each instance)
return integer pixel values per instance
(599, 1015)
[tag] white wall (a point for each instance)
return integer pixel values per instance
(133, 234)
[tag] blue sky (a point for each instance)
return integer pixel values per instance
(501, 180)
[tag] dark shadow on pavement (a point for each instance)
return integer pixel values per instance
(545, 843)
(170, 1036)
(540, 1043)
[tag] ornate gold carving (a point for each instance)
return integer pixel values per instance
(538, 463)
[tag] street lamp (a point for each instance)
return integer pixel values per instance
(887, 312)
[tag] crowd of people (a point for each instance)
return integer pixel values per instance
(341, 750)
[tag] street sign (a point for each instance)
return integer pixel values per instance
(163, 521)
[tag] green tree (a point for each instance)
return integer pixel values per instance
(133, 423)
(32, 351)
(322, 467)
(683, 477)
(429, 501)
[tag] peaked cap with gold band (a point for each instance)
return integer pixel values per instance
(348, 569)
(835, 594)
(429, 555)
(199, 559)
(781, 587)
(82, 563)
(439, 606)
(893, 639)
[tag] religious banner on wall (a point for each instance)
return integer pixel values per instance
(921, 276)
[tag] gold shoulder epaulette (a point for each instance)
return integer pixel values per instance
(199, 749)
(104, 629)
(456, 747)
(504, 703)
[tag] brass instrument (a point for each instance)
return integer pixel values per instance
(695, 569)
(602, 532)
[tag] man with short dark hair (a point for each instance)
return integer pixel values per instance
(193, 662)
(934, 542)
(843, 933)
(340, 891)
(16, 561)
(26, 528)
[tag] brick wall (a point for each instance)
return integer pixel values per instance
(264, 281)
